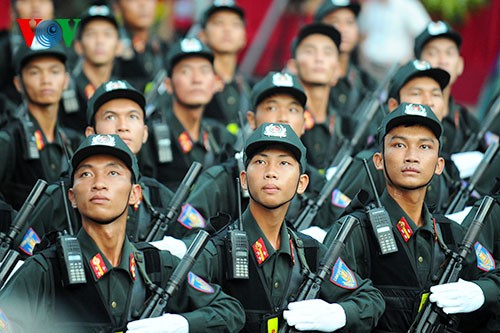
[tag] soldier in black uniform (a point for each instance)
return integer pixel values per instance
(35, 146)
(143, 52)
(119, 276)
(98, 44)
(315, 54)
(278, 256)
(179, 134)
(224, 33)
(409, 157)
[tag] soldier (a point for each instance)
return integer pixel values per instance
(104, 175)
(315, 54)
(98, 44)
(35, 146)
(224, 33)
(353, 83)
(274, 173)
(277, 98)
(409, 157)
(179, 134)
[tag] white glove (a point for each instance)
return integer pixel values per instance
(167, 323)
(175, 246)
(457, 297)
(315, 315)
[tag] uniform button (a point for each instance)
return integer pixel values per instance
(342, 98)
(429, 188)
(53, 166)
(276, 285)
(420, 259)
(113, 305)
(231, 100)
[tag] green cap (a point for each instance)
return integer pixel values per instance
(108, 144)
(414, 69)
(316, 28)
(329, 6)
(433, 30)
(95, 12)
(271, 134)
(25, 54)
(112, 90)
(221, 5)
(407, 113)
(187, 47)
(275, 83)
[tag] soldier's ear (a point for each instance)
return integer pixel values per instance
(18, 84)
(168, 85)
(251, 120)
(202, 36)
(78, 47)
(439, 166)
(71, 197)
(303, 182)
(243, 180)
(291, 66)
(378, 161)
(89, 130)
(135, 194)
(392, 104)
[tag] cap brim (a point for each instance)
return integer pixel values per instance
(120, 93)
(258, 146)
(44, 53)
(439, 75)
(322, 13)
(320, 28)
(412, 119)
(207, 55)
(214, 9)
(297, 94)
(88, 151)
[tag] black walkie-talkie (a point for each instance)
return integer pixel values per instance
(237, 245)
(71, 259)
(161, 134)
(380, 221)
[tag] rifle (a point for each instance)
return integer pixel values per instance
(156, 89)
(162, 221)
(431, 318)
(312, 282)
(460, 199)
(365, 113)
(307, 215)
(474, 140)
(158, 302)
(8, 256)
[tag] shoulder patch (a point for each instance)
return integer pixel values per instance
(199, 284)
(339, 199)
(29, 241)
(342, 276)
(485, 261)
(4, 323)
(191, 218)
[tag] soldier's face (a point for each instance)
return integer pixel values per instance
(344, 21)
(273, 177)
(225, 32)
(123, 117)
(44, 80)
(443, 53)
(193, 81)
(137, 14)
(43, 9)
(410, 157)
(99, 42)
(279, 108)
(102, 189)
(424, 90)
(316, 60)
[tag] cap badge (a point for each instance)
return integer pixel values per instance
(340, 2)
(223, 3)
(416, 110)
(275, 130)
(190, 45)
(103, 140)
(421, 65)
(282, 80)
(99, 11)
(115, 85)
(437, 28)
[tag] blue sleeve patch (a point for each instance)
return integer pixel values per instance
(342, 276)
(485, 261)
(339, 199)
(29, 241)
(199, 284)
(4, 323)
(190, 217)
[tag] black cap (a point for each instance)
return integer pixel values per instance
(113, 90)
(329, 6)
(414, 69)
(187, 47)
(24, 54)
(221, 5)
(433, 30)
(94, 12)
(407, 113)
(269, 134)
(316, 28)
(108, 144)
(275, 83)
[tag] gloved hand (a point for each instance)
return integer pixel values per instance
(315, 315)
(457, 297)
(175, 246)
(167, 323)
